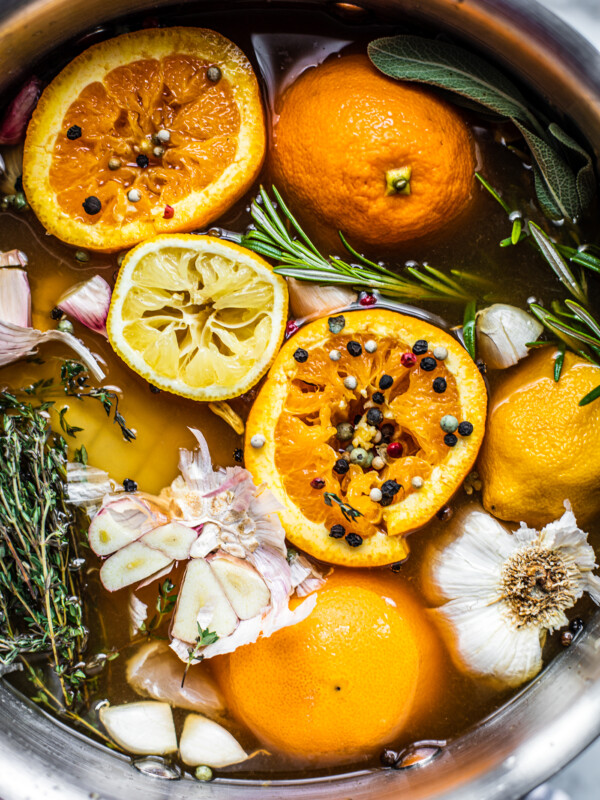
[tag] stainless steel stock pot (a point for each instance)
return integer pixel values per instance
(547, 724)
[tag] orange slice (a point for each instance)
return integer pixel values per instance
(302, 402)
(162, 128)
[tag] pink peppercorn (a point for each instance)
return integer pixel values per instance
(290, 328)
(169, 212)
(368, 300)
(408, 360)
(394, 450)
(317, 483)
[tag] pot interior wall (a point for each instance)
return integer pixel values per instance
(545, 725)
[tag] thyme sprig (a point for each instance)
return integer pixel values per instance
(40, 603)
(349, 512)
(279, 236)
(74, 379)
(165, 603)
(204, 638)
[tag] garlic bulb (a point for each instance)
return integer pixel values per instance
(503, 332)
(88, 303)
(310, 300)
(504, 591)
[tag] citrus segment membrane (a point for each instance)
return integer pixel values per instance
(153, 131)
(197, 316)
(302, 403)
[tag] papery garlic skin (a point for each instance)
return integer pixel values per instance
(503, 332)
(311, 300)
(15, 294)
(506, 591)
(88, 303)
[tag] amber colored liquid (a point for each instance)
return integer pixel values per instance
(281, 45)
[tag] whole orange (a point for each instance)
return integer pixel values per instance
(345, 680)
(347, 136)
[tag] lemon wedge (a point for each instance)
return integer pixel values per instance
(197, 316)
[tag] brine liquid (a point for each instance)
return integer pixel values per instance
(281, 44)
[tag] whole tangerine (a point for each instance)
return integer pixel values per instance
(384, 162)
(343, 682)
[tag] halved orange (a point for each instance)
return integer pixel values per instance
(162, 128)
(305, 398)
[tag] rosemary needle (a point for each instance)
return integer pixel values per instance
(279, 236)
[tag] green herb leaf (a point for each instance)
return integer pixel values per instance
(349, 512)
(561, 189)
(469, 329)
(415, 58)
(590, 397)
(559, 361)
(552, 255)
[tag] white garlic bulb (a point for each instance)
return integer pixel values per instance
(503, 332)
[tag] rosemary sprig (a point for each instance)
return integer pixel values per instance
(40, 603)
(279, 236)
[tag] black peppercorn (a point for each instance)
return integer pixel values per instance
(19, 184)
(378, 397)
(386, 500)
(142, 161)
(91, 205)
(354, 349)
(374, 416)
(576, 625)
(396, 567)
(450, 439)
(428, 363)
(74, 132)
(301, 355)
(337, 531)
(56, 313)
(465, 428)
(390, 487)
(238, 455)
(439, 385)
(341, 466)
(387, 430)
(154, 389)
(420, 347)
(385, 381)
(129, 485)
(354, 540)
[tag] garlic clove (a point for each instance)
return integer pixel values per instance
(503, 332)
(201, 591)
(15, 294)
(245, 589)
(18, 113)
(155, 671)
(88, 303)
(146, 728)
(206, 742)
(313, 300)
(131, 564)
(172, 539)
(120, 522)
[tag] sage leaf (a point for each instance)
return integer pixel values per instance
(562, 190)
(559, 180)
(413, 58)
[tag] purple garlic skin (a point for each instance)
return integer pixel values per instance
(17, 116)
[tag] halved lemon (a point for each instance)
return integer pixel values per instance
(392, 386)
(197, 316)
(155, 131)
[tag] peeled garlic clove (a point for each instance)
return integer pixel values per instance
(146, 728)
(172, 539)
(245, 589)
(205, 742)
(311, 300)
(131, 564)
(201, 590)
(88, 303)
(503, 332)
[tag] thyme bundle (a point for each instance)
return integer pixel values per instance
(40, 600)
